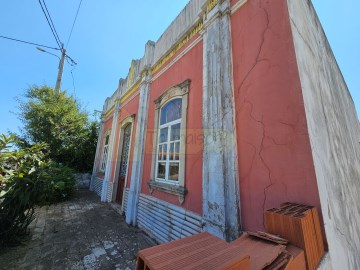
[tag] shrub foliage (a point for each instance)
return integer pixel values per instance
(28, 178)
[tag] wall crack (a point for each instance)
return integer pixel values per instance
(258, 60)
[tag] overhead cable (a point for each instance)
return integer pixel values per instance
(47, 11)
(67, 43)
(50, 25)
(31, 43)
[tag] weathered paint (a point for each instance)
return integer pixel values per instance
(106, 189)
(138, 157)
(183, 22)
(164, 221)
(106, 129)
(187, 67)
(130, 108)
(97, 156)
(277, 65)
(220, 173)
(334, 135)
(275, 160)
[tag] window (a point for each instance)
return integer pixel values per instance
(168, 153)
(169, 143)
(105, 154)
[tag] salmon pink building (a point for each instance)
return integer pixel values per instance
(238, 107)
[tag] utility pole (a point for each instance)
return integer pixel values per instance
(61, 65)
(61, 68)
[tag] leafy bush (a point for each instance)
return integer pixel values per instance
(58, 120)
(58, 183)
(28, 178)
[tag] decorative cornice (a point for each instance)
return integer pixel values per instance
(130, 79)
(177, 46)
(110, 111)
(191, 33)
(211, 4)
(129, 92)
(199, 26)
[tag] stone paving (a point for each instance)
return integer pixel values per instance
(79, 234)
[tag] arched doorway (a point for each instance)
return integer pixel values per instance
(123, 163)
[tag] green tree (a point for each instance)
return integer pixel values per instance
(58, 120)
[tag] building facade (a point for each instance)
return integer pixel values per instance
(238, 107)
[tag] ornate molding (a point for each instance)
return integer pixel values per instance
(109, 112)
(193, 31)
(207, 8)
(117, 107)
(211, 4)
(168, 188)
(127, 120)
(131, 75)
(176, 90)
(131, 90)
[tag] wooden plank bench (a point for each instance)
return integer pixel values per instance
(202, 251)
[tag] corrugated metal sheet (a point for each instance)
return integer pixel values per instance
(97, 185)
(109, 192)
(164, 221)
(125, 200)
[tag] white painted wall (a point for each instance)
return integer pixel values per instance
(334, 135)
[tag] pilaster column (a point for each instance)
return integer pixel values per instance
(109, 162)
(138, 156)
(139, 145)
(221, 199)
(97, 154)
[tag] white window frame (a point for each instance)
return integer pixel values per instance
(174, 187)
(105, 153)
(167, 143)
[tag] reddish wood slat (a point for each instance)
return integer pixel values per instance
(268, 237)
(201, 251)
(262, 253)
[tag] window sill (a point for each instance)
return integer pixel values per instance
(168, 188)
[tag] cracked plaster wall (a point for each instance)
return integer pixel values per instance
(334, 134)
(188, 67)
(275, 161)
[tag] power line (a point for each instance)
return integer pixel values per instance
(27, 42)
(52, 30)
(51, 21)
(73, 81)
(67, 43)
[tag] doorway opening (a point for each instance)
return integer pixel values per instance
(124, 162)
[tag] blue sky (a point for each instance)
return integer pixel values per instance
(108, 34)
